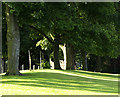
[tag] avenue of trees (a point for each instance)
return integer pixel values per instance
(88, 32)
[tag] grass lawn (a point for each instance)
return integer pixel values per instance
(60, 82)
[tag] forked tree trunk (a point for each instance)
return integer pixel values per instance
(13, 43)
(56, 54)
(70, 65)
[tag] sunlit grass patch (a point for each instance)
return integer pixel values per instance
(60, 82)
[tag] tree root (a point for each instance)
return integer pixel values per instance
(18, 74)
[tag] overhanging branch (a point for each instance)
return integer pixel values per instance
(37, 29)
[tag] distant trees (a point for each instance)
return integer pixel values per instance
(98, 34)
(88, 28)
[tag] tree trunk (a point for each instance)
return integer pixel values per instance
(65, 55)
(84, 60)
(13, 43)
(40, 60)
(98, 67)
(4, 65)
(63, 48)
(86, 64)
(0, 37)
(56, 54)
(1, 65)
(68, 62)
(115, 65)
(70, 57)
(29, 60)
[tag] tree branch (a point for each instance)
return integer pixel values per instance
(37, 29)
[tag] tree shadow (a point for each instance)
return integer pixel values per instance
(92, 73)
(62, 81)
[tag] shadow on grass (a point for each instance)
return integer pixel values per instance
(62, 81)
(92, 73)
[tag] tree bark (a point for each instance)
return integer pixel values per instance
(13, 43)
(1, 65)
(0, 38)
(65, 55)
(63, 48)
(86, 64)
(40, 60)
(68, 62)
(29, 60)
(98, 67)
(56, 54)
(84, 60)
(70, 57)
(115, 65)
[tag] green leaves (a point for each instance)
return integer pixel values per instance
(91, 27)
(43, 43)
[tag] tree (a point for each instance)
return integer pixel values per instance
(13, 42)
(96, 33)
(54, 24)
(1, 66)
(89, 28)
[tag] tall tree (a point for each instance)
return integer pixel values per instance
(1, 67)
(13, 42)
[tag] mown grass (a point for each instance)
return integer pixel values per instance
(60, 82)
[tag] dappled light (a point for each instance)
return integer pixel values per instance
(62, 81)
